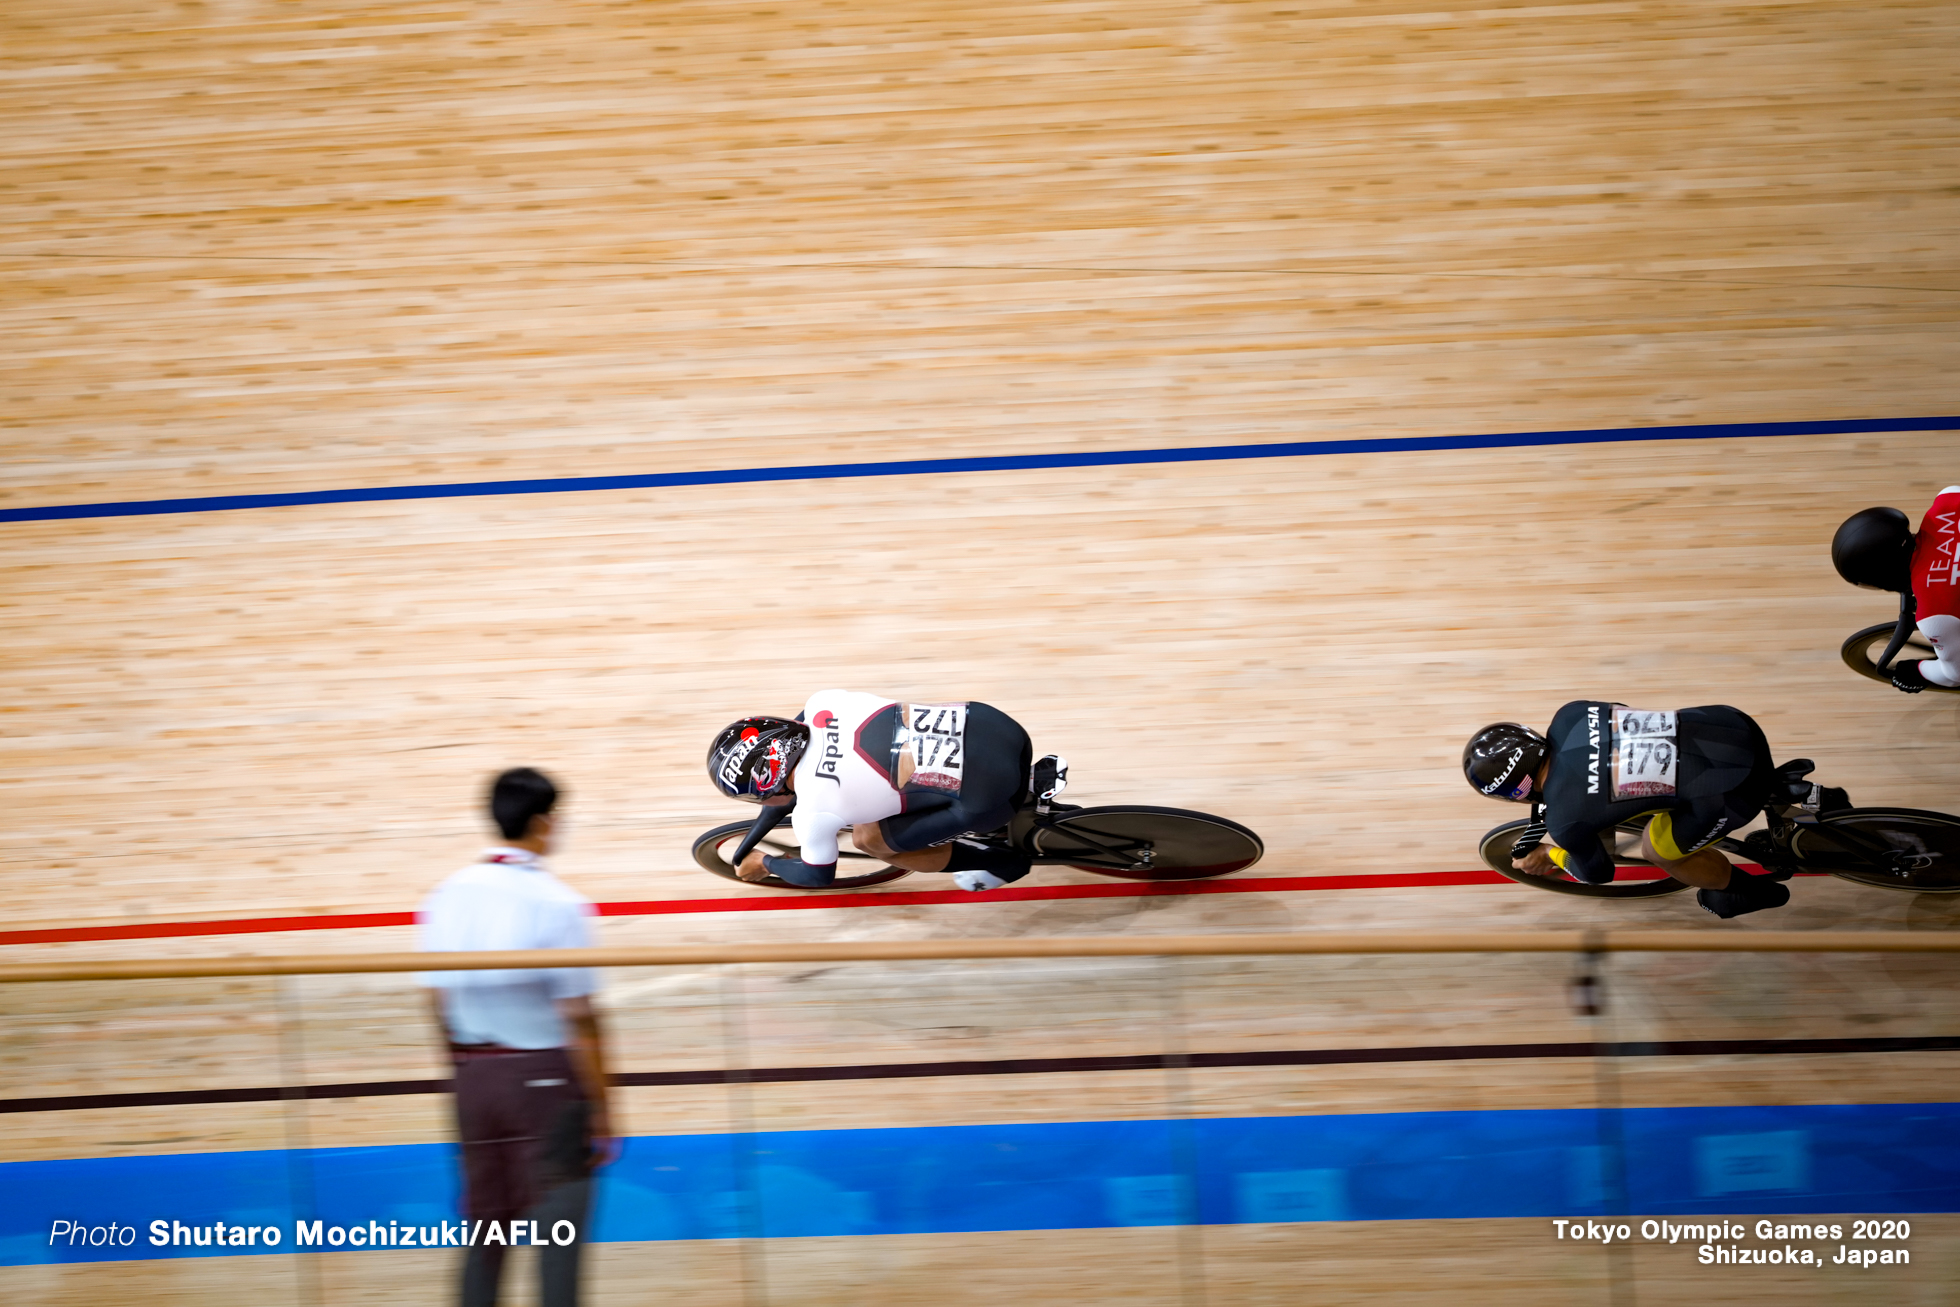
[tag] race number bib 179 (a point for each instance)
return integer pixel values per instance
(934, 734)
(1644, 756)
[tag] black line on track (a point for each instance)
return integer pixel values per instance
(1042, 1066)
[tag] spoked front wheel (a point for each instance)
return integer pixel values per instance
(854, 869)
(1623, 843)
(1925, 845)
(1144, 843)
(1861, 653)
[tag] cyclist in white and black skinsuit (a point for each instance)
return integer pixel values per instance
(907, 780)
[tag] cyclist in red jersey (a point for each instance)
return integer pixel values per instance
(1876, 549)
(1936, 587)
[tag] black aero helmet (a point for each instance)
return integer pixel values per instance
(752, 759)
(1502, 760)
(1874, 548)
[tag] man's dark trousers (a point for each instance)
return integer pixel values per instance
(527, 1153)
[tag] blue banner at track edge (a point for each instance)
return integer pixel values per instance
(1882, 1159)
(985, 463)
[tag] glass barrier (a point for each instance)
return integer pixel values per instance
(1747, 1127)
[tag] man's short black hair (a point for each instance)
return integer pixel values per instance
(519, 795)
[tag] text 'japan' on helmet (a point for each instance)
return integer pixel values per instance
(1502, 760)
(752, 759)
(1874, 548)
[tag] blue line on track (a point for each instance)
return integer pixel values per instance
(993, 463)
(1731, 1162)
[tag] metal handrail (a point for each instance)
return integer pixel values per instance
(1092, 946)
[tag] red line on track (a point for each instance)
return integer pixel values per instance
(184, 929)
(778, 902)
(1130, 889)
(772, 902)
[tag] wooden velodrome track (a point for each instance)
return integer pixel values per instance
(256, 248)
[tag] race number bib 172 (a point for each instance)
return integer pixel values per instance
(1644, 756)
(935, 735)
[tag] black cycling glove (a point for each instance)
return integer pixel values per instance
(1906, 676)
(803, 875)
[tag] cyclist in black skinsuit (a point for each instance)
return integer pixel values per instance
(1703, 773)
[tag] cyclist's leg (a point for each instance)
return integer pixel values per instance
(1003, 864)
(999, 756)
(994, 779)
(1680, 840)
(870, 839)
(1702, 868)
(1730, 780)
(993, 862)
(994, 775)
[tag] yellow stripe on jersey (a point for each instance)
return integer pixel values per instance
(1660, 833)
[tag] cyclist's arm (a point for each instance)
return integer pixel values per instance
(1581, 855)
(1539, 860)
(817, 833)
(1530, 853)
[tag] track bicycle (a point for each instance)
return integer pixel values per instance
(1908, 849)
(1128, 841)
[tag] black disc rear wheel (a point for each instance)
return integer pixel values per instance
(1143, 843)
(1928, 841)
(1861, 653)
(1495, 850)
(854, 869)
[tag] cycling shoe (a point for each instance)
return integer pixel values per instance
(1746, 894)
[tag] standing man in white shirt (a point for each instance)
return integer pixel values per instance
(532, 1110)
